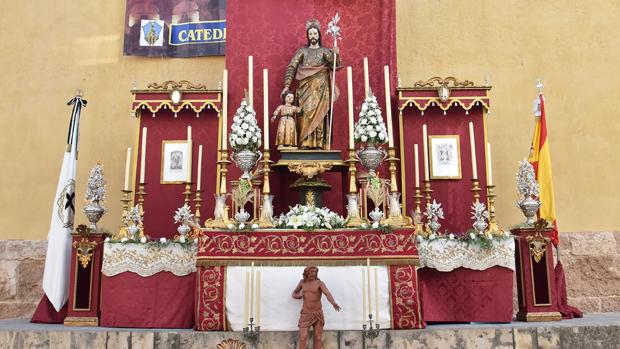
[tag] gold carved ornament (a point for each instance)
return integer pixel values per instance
(443, 82)
(174, 85)
(84, 250)
(538, 243)
(231, 344)
(309, 169)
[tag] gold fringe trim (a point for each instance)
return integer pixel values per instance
(270, 262)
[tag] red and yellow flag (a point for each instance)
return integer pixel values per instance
(540, 158)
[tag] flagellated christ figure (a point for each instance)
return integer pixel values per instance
(311, 66)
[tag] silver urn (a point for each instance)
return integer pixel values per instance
(480, 226)
(376, 215)
(133, 230)
(242, 216)
(183, 229)
(93, 212)
(371, 157)
(529, 206)
(245, 161)
(434, 225)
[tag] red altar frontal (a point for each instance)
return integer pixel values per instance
(219, 249)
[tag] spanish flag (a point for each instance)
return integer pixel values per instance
(540, 158)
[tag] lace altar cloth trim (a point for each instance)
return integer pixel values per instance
(148, 259)
(447, 255)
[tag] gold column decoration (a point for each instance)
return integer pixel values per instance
(493, 226)
(197, 203)
(265, 222)
(395, 220)
(356, 221)
(475, 188)
(84, 250)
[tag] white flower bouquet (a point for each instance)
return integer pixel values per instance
(245, 133)
(370, 128)
(310, 217)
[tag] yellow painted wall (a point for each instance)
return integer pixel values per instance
(51, 48)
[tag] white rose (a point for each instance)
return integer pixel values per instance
(380, 118)
(375, 225)
(372, 134)
(230, 226)
(182, 239)
(364, 107)
(451, 236)
(362, 131)
(254, 226)
(233, 143)
(244, 126)
(381, 136)
(241, 225)
(490, 237)
(107, 239)
(472, 236)
(369, 128)
(236, 119)
(163, 240)
(143, 239)
(420, 238)
(124, 240)
(432, 237)
(364, 138)
(363, 121)
(371, 113)
(373, 120)
(506, 234)
(254, 139)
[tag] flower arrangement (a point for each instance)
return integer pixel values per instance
(245, 133)
(134, 215)
(95, 189)
(183, 215)
(480, 215)
(370, 128)
(310, 217)
(527, 186)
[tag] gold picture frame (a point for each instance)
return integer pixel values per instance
(444, 157)
(174, 162)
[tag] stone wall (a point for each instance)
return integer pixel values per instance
(591, 263)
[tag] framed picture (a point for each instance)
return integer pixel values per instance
(445, 157)
(174, 162)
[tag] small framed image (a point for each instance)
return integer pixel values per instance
(174, 162)
(445, 157)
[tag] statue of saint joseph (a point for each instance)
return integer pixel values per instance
(311, 66)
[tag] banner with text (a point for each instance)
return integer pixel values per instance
(177, 28)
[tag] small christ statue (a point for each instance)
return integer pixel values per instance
(310, 289)
(286, 137)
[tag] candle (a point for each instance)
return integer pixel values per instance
(417, 166)
(266, 109)
(127, 168)
(143, 155)
(388, 106)
(246, 298)
(251, 80)
(368, 284)
(366, 83)
(252, 291)
(224, 144)
(472, 143)
(258, 298)
(489, 165)
(350, 98)
(188, 161)
(425, 150)
(364, 306)
(376, 297)
(199, 179)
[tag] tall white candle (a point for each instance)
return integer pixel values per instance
(350, 98)
(199, 179)
(127, 169)
(189, 154)
(266, 109)
(425, 150)
(143, 155)
(368, 285)
(472, 143)
(376, 296)
(417, 165)
(251, 80)
(252, 291)
(388, 106)
(258, 298)
(224, 144)
(489, 165)
(246, 299)
(364, 305)
(366, 80)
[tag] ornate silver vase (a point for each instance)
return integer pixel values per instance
(133, 230)
(371, 157)
(245, 161)
(529, 206)
(434, 225)
(376, 215)
(242, 216)
(93, 212)
(183, 229)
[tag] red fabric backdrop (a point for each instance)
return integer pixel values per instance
(454, 194)
(271, 31)
(163, 199)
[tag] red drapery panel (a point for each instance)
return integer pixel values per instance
(163, 300)
(406, 309)
(272, 30)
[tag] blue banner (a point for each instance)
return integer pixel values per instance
(209, 32)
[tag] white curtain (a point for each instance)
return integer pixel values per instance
(280, 312)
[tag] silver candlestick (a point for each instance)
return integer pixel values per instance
(371, 331)
(251, 333)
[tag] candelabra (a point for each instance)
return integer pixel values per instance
(427, 191)
(353, 220)
(493, 226)
(370, 332)
(395, 217)
(223, 220)
(251, 333)
(475, 188)
(197, 204)
(125, 200)
(265, 219)
(187, 193)
(141, 194)
(417, 214)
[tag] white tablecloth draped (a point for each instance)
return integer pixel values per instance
(149, 258)
(280, 312)
(446, 255)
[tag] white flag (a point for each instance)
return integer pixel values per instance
(58, 257)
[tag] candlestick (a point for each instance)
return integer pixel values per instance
(493, 227)
(364, 306)
(417, 166)
(489, 165)
(187, 193)
(125, 199)
(475, 188)
(388, 106)
(368, 285)
(143, 155)
(427, 192)
(417, 214)
(224, 144)
(258, 298)
(199, 179)
(376, 296)
(197, 204)
(425, 150)
(350, 100)
(127, 168)
(188, 161)
(266, 109)
(472, 143)
(251, 81)
(252, 291)
(366, 80)
(265, 221)
(246, 299)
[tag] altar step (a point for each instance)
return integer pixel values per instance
(593, 331)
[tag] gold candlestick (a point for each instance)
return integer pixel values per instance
(141, 194)
(221, 222)
(125, 200)
(475, 188)
(197, 204)
(223, 162)
(398, 220)
(353, 221)
(493, 227)
(427, 192)
(188, 193)
(417, 214)
(265, 222)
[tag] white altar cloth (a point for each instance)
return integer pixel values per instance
(280, 312)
